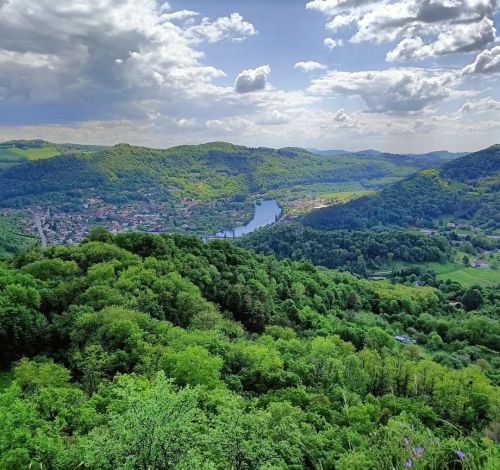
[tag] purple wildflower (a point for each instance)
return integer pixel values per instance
(460, 454)
(409, 463)
(406, 441)
(419, 451)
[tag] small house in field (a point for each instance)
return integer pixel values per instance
(478, 264)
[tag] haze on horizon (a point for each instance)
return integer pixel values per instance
(399, 76)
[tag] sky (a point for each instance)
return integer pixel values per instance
(398, 76)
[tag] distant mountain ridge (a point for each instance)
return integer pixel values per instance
(437, 154)
(467, 187)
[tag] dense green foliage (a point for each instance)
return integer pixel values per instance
(357, 251)
(202, 172)
(466, 188)
(158, 352)
(12, 239)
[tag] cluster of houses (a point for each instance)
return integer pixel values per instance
(147, 214)
(71, 227)
(454, 225)
(461, 226)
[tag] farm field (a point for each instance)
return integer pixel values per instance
(466, 276)
(36, 153)
(455, 271)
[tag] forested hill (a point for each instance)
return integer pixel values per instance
(138, 351)
(200, 172)
(466, 188)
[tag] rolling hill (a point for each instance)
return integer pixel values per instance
(200, 189)
(200, 172)
(15, 152)
(465, 189)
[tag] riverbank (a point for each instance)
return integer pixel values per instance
(265, 213)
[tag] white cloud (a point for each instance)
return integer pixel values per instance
(454, 38)
(333, 7)
(109, 55)
(340, 21)
(488, 61)
(391, 90)
(274, 118)
(480, 105)
(332, 43)
(232, 26)
(252, 79)
(179, 15)
(407, 49)
(422, 28)
(309, 66)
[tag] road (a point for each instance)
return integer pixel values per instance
(38, 224)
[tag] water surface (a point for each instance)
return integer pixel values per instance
(265, 213)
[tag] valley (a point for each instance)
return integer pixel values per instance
(272, 293)
(250, 235)
(202, 189)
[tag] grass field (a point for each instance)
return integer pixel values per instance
(345, 196)
(10, 156)
(466, 276)
(455, 271)
(35, 153)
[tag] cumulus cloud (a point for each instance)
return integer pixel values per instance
(106, 58)
(480, 105)
(252, 79)
(454, 38)
(488, 61)
(331, 44)
(309, 66)
(233, 26)
(391, 90)
(421, 28)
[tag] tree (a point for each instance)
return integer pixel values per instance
(377, 338)
(154, 428)
(472, 299)
(193, 366)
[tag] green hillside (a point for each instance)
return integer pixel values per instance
(464, 189)
(360, 252)
(199, 189)
(138, 351)
(12, 237)
(202, 172)
(15, 152)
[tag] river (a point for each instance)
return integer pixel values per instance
(265, 213)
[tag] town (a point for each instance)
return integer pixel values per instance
(54, 226)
